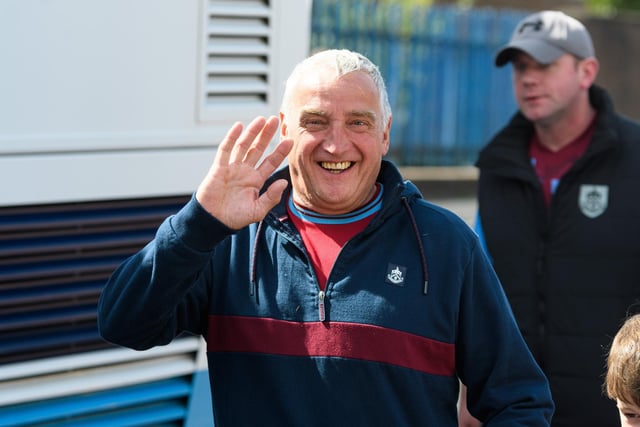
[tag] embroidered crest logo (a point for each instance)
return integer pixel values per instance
(395, 274)
(593, 200)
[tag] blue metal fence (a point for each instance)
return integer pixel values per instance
(447, 97)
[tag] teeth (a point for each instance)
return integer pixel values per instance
(336, 166)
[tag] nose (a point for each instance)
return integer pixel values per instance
(336, 139)
(527, 75)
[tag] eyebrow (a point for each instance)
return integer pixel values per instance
(354, 113)
(363, 113)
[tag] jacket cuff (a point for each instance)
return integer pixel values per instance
(197, 228)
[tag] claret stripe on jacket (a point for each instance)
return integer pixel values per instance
(330, 339)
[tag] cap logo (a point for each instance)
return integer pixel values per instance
(557, 32)
(537, 26)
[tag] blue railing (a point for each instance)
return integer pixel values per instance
(447, 97)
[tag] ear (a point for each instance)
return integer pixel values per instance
(588, 69)
(386, 137)
(283, 125)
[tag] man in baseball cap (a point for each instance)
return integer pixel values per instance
(555, 193)
(545, 36)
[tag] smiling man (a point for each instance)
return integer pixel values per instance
(341, 127)
(329, 291)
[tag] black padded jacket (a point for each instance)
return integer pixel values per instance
(571, 271)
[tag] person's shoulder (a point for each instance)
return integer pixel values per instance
(627, 133)
(433, 218)
(628, 125)
(437, 217)
(443, 230)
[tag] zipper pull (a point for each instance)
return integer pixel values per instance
(321, 305)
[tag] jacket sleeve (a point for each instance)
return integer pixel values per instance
(480, 232)
(505, 385)
(162, 290)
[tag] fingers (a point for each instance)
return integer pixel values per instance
(260, 142)
(226, 146)
(247, 145)
(272, 196)
(251, 144)
(275, 158)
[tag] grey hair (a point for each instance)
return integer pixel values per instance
(346, 61)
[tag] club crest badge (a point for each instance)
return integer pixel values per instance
(396, 274)
(593, 200)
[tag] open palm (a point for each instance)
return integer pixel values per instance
(231, 189)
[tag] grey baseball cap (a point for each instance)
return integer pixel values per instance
(545, 36)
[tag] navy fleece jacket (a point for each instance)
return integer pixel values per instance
(411, 306)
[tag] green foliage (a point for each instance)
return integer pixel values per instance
(627, 4)
(609, 7)
(405, 2)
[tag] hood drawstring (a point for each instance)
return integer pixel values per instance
(414, 225)
(423, 258)
(254, 262)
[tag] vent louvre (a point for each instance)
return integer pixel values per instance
(54, 260)
(107, 387)
(237, 70)
(163, 401)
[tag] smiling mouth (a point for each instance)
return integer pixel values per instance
(336, 167)
(531, 98)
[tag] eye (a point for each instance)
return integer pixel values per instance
(313, 124)
(360, 124)
(521, 66)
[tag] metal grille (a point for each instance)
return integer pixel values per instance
(54, 260)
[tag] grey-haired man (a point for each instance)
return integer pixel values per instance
(559, 211)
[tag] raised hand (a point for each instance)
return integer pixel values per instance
(231, 189)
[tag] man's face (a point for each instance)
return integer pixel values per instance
(547, 93)
(339, 140)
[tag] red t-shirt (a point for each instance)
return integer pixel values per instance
(550, 166)
(325, 235)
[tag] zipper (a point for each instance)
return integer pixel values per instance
(321, 296)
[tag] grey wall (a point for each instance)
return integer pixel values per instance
(617, 44)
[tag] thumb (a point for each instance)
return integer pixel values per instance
(272, 196)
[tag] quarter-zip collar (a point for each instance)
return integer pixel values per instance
(398, 195)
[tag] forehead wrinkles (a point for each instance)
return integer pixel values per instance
(349, 94)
